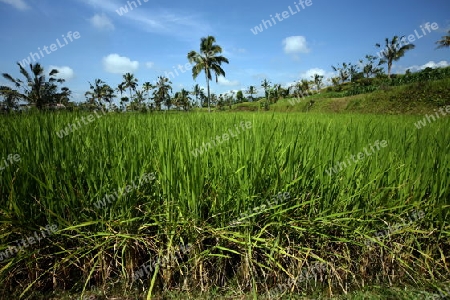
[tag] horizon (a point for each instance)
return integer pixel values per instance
(293, 40)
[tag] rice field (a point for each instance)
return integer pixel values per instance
(127, 191)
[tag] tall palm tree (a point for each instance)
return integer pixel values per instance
(393, 51)
(207, 60)
(161, 93)
(130, 82)
(251, 91)
(444, 42)
(35, 86)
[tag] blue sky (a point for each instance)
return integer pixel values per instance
(155, 36)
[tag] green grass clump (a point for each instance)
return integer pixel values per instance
(193, 200)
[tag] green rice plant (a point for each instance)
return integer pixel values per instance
(327, 219)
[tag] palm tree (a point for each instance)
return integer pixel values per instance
(344, 73)
(317, 81)
(240, 96)
(161, 94)
(182, 99)
(97, 91)
(10, 97)
(277, 91)
(35, 89)
(139, 98)
(207, 60)
(251, 91)
(203, 98)
(121, 90)
(130, 82)
(196, 92)
(108, 94)
(286, 92)
(335, 81)
(445, 42)
(265, 84)
(393, 51)
(230, 98)
(65, 94)
(147, 87)
(370, 68)
(305, 85)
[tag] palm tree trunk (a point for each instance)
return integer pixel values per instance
(209, 94)
(389, 69)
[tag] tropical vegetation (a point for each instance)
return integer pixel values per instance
(342, 225)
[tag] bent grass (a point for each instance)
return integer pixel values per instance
(193, 200)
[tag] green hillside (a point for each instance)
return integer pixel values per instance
(421, 93)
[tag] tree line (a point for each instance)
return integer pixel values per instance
(47, 91)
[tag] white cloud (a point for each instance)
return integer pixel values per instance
(223, 81)
(311, 72)
(19, 4)
(295, 44)
(101, 22)
(308, 76)
(116, 64)
(430, 64)
(149, 64)
(64, 72)
(146, 17)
